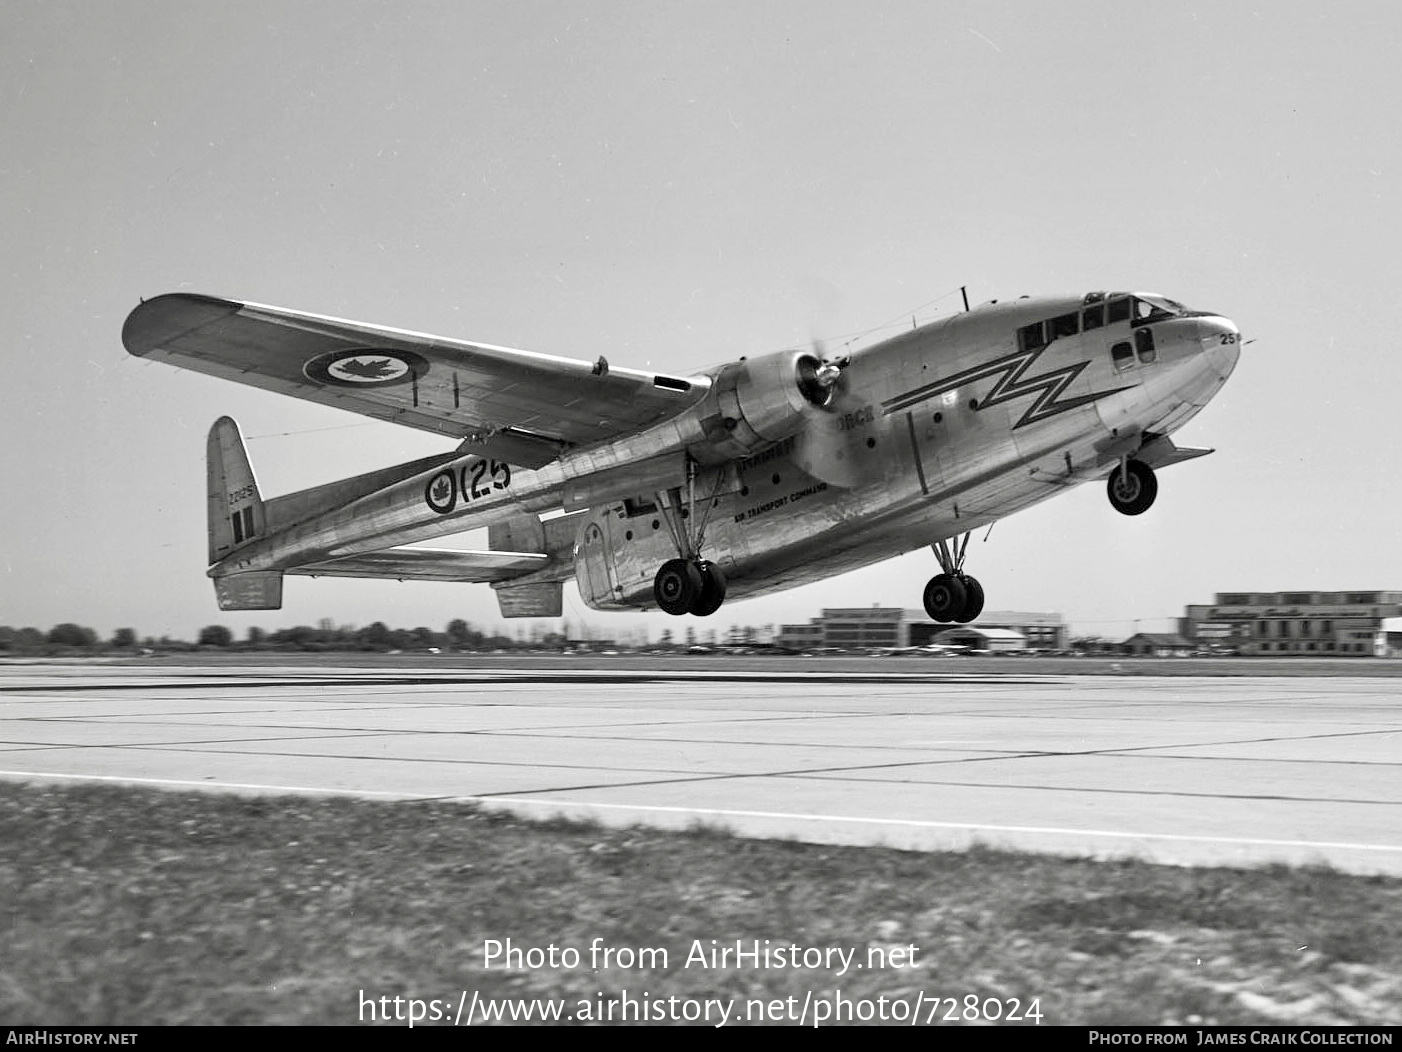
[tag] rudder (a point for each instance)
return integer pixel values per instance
(235, 506)
(236, 517)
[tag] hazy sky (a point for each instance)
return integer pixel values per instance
(673, 185)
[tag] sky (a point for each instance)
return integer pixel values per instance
(673, 185)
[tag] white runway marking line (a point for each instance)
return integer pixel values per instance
(921, 824)
(724, 813)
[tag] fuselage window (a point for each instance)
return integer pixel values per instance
(1144, 342)
(1031, 337)
(1119, 311)
(1063, 326)
(1093, 317)
(1123, 355)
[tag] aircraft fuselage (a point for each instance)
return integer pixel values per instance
(932, 434)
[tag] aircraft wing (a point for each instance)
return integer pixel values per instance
(430, 564)
(518, 406)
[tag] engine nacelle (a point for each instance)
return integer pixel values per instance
(748, 406)
(758, 401)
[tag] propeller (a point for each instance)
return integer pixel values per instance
(818, 374)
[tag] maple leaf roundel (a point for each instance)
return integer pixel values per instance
(441, 493)
(366, 367)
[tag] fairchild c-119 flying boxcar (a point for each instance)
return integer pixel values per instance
(676, 492)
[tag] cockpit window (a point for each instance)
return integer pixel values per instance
(1032, 336)
(1065, 325)
(1093, 317)
(1156, 308)
(1118, 311)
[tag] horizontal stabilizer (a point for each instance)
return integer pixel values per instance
(255, 590)
(429, 564)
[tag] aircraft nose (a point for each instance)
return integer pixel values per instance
(1221, 342)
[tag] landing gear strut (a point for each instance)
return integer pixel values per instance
(689, 584)
(1132, 487)
(953, 595)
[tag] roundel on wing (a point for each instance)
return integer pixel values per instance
(365, 367)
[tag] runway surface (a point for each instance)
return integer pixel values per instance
(1196, 771)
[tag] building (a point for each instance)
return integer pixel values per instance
(864, 629)
(976, 637)
(1334, 624)
(801, 637)
(1389, 639)
(876, 627)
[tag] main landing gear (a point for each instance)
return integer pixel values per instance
(953, 595)
(1132, 487)
(689, 584)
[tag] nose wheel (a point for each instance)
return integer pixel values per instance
(953, 595)
(1132, 488)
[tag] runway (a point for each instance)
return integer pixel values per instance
(1190, 771)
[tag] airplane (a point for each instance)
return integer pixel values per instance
(660, 491)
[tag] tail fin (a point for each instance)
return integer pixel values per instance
(235, 505)
(529, 533)
(236, 517)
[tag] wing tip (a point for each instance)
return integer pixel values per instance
(155, 322)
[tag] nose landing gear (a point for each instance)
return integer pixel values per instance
(1132, 487)
(953, 595)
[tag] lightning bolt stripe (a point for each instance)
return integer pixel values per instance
(1011, 383)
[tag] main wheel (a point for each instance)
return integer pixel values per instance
(945, 597)
(1133, 490)
(712, 593)
(973, 600)
(677, 586)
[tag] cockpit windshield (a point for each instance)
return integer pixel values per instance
(1101, 310)
(1156, 308)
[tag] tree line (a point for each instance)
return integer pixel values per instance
(458, 635)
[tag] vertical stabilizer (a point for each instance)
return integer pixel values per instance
(235, 505)
(236, 517)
